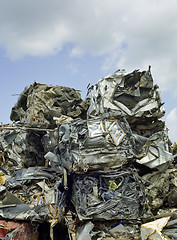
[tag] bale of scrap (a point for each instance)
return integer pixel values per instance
(39, 105)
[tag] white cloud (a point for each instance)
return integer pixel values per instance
(171, 122)
(127, 34)
(73, 68)
(76, 52)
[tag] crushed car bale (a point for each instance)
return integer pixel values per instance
(102, 168)
(39, 105)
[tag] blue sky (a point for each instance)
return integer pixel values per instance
(59, 69)
(76, 42)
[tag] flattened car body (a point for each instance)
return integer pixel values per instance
(95, 144)
(107, 196)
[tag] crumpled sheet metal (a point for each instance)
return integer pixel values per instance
(50, 144)
(104, 143)
(107, 230)
(161, 188)
(86, 232)
(158, 155)
(95, 144)
(170, 229)
(21, 148)
(25, 212)
(33, 194)
(121, 130)
(38, 104)
(132, 95)
(83, 232)
(152, 230)
(108, 196)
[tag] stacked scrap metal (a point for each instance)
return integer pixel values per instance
(121, 137)
(95, 169)
(33, 185)
(134, 96)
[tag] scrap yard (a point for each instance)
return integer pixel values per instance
(102, 168)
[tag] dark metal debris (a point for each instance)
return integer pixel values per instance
(102, 168)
